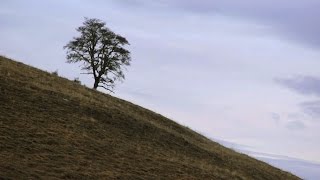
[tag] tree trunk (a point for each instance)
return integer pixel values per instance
(96, 83)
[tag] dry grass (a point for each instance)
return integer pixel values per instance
(53, 128)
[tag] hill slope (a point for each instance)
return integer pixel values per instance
(51, 127)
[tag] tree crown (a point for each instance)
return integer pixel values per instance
(101, 51)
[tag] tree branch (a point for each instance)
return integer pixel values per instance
(106, 88)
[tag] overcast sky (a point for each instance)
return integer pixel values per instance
(245, 72)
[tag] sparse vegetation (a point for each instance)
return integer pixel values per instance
(52, 128)
(55, 73)
(77, 80)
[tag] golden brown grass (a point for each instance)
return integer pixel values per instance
(53, 128)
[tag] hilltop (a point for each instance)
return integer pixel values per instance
(51, 127)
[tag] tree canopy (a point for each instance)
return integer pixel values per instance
(101, 52)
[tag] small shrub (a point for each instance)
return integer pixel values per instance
(55, 73)
(76, 80)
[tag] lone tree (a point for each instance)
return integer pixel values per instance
(101, 51)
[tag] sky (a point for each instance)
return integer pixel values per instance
(243, 72)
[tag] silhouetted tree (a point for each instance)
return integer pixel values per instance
(101, 51)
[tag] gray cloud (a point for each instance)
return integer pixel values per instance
(311, 108)
(306, 85)
(295, 116)
(292, 19)
(301, 168)
(130, 3)
(295, 125)
(275, 117)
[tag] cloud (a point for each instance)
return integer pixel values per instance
(306, 85)
(275, 117)
(295, 116)
(293, 19)
(295, 125)
(311, 108)
(302, 168)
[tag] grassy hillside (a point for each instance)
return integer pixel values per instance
(51, 127)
